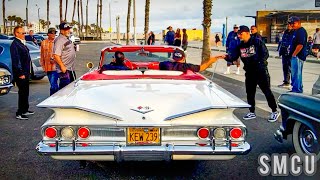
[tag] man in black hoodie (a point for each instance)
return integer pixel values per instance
(254, 54)
(21, 62)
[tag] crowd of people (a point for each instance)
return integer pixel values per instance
(57, 58)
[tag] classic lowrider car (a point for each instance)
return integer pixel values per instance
(301, 118)
(142, 114)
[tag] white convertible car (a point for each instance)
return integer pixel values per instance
(142, 114)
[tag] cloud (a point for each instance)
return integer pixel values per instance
(178, 13)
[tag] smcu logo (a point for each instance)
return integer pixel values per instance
(283, 164)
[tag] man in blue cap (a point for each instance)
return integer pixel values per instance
(298, 52)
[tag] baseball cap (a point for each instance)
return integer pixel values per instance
(65, 26)
(52, 31)
(293, 19)
(235, 26)
(243, 29)
(178, 55)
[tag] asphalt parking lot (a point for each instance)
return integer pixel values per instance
(18, 140)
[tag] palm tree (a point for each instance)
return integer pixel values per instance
(206, 51)
(146, 21)
(97, 34)
(19, 20)
(81, 23)
(74, 9)
(27, 13)
(11, 20)
(48, 4)
(87, 18)
(128, 21)
(65, 14)
(78, 10)
(100, 27)
(60, 9)
(4, 16)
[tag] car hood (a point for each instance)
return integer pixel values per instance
(141, 98)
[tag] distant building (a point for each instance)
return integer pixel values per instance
(271, 23)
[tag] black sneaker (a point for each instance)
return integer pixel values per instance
(249, 116)
(28, 113)
(22, 117)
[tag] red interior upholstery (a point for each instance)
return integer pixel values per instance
(95, 75)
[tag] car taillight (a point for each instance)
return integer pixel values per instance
(83, 132)
(203, 133)
(50, 132)
(236, 133)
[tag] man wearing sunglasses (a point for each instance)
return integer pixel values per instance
(47, 61)
(64, 54)
(254, 54)
(21, 62)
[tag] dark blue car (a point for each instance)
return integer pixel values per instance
(37, 72)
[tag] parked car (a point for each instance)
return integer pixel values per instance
(3, 36)
(5, 72)
(37, 72)
(142, 114)
(75, 39)
(301, 118)
(43, 34)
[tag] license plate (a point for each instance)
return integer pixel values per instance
(143, 136)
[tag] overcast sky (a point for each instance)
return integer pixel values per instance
(177, 13)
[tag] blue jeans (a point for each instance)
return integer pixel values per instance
(53, 79)
(296, 74)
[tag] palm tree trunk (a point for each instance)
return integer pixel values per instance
(207, 7)
(78, 16)
(81, 23)
(74, 9)
(65, 14)
(27, 13)
(87, 18)
(4, 16)
(128, 21)
(60, 9)
(48, 8)
(97, 24)
(146, 21)
(100, 19)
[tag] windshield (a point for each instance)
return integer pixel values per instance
(139, 56)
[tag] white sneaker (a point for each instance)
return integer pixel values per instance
(274, 116)
(227, 72)
(238, 73)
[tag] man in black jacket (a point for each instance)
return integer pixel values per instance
(254, 54)
(21, 62)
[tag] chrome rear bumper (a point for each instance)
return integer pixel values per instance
(142, 153)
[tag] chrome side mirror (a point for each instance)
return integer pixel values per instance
(90, 65)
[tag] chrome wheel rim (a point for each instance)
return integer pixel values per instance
(308, 140)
